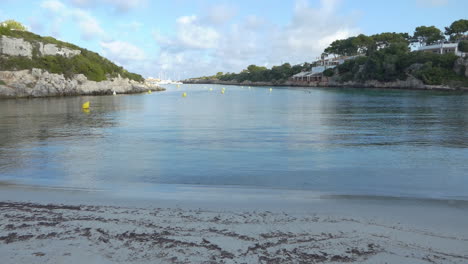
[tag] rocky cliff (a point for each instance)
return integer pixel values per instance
(10, 46)
(40, 83)
(19, 79)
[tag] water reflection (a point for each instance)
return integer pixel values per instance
(346, 141)
(398, 118)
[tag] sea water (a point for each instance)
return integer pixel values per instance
(328, 140)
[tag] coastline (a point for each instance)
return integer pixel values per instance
(401, 85)
(39, 83)
(44, 225)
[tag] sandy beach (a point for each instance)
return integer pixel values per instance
(40, 225)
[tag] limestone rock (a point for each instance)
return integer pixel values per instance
(15, 47)
(19, 47)
(39, 83)
(54, 50)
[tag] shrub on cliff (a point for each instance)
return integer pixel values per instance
(329, 72)
(463, 46)
(12, 25)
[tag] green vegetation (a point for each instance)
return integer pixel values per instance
(457, 30)
(2, 82)
(428, 35)
(397, 63)
(91, 64)
(256, 73)
(363, 44)
(463, 46)
(384, 57)
(393, 60)
(12, 25)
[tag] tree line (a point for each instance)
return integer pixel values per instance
(384, 57)
(423, 35)
(387, 57)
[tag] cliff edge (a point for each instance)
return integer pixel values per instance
(36, 66)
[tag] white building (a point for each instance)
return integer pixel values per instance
(315, 73)
(442, 48)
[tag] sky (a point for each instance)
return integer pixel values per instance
(180, 39)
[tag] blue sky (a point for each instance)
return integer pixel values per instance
(184, 38)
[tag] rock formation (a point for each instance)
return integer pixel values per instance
(40, 83)
(19, 47)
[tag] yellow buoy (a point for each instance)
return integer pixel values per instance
(85, 105)
(184, 95)
(222, 91)
(271, 89)
(211, 89)
(149, 91)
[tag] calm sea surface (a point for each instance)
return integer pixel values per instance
(341, 141)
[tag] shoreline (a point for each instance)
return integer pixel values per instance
(370, 85)
(37, 83)
(100, 93)
(205, 193)
(43, 225)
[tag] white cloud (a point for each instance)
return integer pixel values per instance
(54, 6)
(192, 34)
(313, 29)
(122, 52)
(203, 45)
(88, 25)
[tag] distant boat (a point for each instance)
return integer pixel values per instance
(159, 81)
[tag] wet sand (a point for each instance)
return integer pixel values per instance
(63, 226)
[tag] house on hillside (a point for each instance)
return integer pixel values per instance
(442, 48)
(315, 75)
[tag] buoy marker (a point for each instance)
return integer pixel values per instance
(85, 105)
(184, 94)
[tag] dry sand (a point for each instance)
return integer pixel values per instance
(50, 226)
